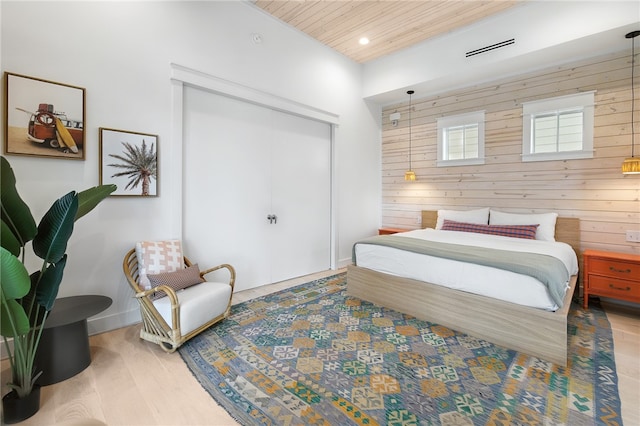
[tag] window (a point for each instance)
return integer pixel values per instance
(461, 139)
(558, 129)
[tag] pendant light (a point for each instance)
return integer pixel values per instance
(410, 175)
(631, 165)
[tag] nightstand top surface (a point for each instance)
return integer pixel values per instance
(612, 255)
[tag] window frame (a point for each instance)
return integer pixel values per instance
(583, 101)
(459, 120)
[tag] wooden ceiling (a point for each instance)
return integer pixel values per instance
(389, 25)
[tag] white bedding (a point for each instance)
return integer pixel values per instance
(473, 278)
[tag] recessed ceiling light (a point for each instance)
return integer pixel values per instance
(364, 41)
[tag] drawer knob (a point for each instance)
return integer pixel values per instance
(627, 288)
(624, 271)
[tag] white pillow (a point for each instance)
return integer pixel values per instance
(478, 216)
(546, 221)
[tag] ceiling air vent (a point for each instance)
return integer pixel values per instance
(489, 48)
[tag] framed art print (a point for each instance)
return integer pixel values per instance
(129, 160)
(43, 118)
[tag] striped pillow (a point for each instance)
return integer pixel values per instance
(516, 231)
(177, 280)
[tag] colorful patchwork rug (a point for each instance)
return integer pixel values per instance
(312, 355)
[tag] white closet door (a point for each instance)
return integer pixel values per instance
(243, 163)
(226, 195)
(301, 196)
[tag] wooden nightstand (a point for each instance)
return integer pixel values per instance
(389, 231)
(608, 274)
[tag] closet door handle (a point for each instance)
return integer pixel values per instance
(272, 218)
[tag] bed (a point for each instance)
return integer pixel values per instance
(534, 331)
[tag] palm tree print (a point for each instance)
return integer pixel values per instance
(139, 164)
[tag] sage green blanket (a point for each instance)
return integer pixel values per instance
(546, 269)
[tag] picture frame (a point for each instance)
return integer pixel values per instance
(43, 118)
(129, 160)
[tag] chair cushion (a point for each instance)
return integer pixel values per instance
(155, 257)
(177, 280)
(199, 304)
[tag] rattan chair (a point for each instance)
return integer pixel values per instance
(200, 306)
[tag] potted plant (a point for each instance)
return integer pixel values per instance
(26, 299)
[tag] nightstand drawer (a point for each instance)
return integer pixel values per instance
(622, 289)
(615, 268)
(609, 274)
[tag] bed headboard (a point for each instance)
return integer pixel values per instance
(567, 228)
(429, 218)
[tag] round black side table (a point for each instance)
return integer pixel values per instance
(63, 351)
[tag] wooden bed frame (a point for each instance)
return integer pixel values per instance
(533, 331)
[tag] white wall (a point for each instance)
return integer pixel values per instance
(121, 53)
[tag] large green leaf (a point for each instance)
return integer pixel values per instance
(9, 240)
(90, 198)
(15, 212)
(29, 301)
(55, 229)
(14, 278)
(13, 311)
(47, 289)
(14, 284)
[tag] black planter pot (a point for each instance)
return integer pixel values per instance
(17, 409)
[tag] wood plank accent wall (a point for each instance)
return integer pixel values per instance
(594, 190)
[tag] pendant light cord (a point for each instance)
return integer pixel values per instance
(633, 95)
(410, 92)
(632, 35)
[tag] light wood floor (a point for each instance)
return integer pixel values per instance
(132, 382)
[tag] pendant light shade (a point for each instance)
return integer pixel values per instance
(631, 165)
(410, 175)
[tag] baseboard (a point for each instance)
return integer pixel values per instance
(97, 325)
(343, 263)
(113, 322)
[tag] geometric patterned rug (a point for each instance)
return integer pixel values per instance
(311, 355)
